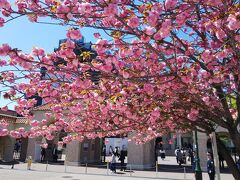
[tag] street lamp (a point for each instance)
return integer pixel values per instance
(198, 171)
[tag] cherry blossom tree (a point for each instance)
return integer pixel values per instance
(165, 66)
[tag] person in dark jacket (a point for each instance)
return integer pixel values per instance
(43, 154)
(221, 160)
(238, 163)
(210, 167)
(193, 162)
(121, 159)
(17, 146)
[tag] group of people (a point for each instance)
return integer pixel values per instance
(183, 154)
(181, 157)
(51, 153)
(121, 157)
(211, 167)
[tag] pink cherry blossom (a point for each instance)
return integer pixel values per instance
(38, 51)
(3, 62)
(148, 88)
(193, 115)
(49, 137)
(5, 108)
(34, 123)
(3, 132)
(220, 34)
(97, 35)
(4, 4)
(233, 23)
(85, 8)
(152, 19)
(149, 30)
(74, 34)
(4, 49)
(1, 22)
(164, 65)
(44, 145)
(133, 22)
(15, 134)
(110, 10)
(170, 4)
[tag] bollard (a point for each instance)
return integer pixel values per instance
(156, 168)
(65, 167)
(130, 170)
(47, 166)
(29, 162)
(86, 169)
(107, 167)
(184, 169)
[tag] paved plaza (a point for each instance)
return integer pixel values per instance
(99, 172)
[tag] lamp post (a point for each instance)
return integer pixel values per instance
(198, 171)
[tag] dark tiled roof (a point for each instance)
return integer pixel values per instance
(44, 107)
(9, 112)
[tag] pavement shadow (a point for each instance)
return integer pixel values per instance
(9, 162)
(161, 167)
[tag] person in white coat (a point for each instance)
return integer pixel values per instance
(113, 162)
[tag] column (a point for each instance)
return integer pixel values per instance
(34, 148)
(24, 147)
(141, 156)
(73, 153)
(8, 148)
(97, 150)
(179, 140)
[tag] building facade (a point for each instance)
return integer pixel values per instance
(7, 143)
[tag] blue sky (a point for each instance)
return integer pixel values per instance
(24, 35)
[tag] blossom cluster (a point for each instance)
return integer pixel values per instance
(167, 66)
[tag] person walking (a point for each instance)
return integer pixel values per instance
(193, 162)
(43, 154)
(162, 153)
(110, 150)
(183, 151)
(113, 162)
(117, 151)
(190, 155)
(238, 163)
(210, 167)
(121, 159)
(14, 159)
(179, 157)
(176, 154)
(104, 153)
(221, 160)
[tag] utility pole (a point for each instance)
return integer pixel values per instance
(198, 171)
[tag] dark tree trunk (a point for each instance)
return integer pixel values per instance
(230, 162)
(235, 137)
